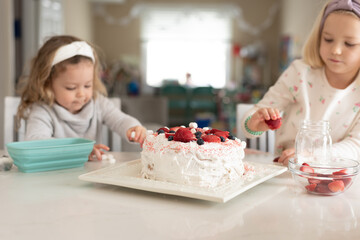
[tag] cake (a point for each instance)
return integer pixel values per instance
(192, 156)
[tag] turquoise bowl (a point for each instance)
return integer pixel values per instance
(50, 154)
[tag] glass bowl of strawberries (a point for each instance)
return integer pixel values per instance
(329, 179)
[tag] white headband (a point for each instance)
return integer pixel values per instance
(71, 50)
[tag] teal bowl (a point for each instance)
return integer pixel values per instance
(50, 154)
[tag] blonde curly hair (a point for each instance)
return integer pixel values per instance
(37, 86)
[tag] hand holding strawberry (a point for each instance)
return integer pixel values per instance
(264, 119)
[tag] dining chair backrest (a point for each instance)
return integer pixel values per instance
(12, 134)
(265, 142)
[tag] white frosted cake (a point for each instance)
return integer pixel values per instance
(192, 156)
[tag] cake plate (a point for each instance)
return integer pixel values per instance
(128, 175)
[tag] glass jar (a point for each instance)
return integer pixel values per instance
(313, 142)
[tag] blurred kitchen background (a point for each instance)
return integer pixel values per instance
(170, 61)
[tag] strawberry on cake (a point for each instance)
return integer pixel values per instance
(193, 156)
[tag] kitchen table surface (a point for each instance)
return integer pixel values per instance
(57, 205)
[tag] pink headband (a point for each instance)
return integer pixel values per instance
(347, 5)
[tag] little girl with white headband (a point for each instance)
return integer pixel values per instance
(64, 97)
(324, 85)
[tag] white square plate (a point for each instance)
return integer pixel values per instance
(128, 175)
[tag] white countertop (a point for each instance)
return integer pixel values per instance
(57, 205)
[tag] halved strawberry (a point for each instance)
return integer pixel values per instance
(322, 188)
(174, 128)
(336, 186)
(167, 135)
(184, 135)
(305, 168)
(340, 172)
(314, 180)
(164, 129)
(346, 180)
(200, 130)
(220, 133)
(274, 124)
(211, 138)
(311, 187)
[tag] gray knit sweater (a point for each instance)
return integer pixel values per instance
(56, 122)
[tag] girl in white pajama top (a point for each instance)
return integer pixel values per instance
(324, 85)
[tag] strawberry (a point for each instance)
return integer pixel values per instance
(174, 129)
(336, 186)
(311, 187)
(211, 138)
(274, 124)
(184, 135)
(340, 172)
(164, 129)
(276, 159)
(167, 135)
(220, 133)
(307, 169)
(322, 188)
(314, 180)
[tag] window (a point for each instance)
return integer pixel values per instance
(177, 41)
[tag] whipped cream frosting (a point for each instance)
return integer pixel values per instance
(207, 165)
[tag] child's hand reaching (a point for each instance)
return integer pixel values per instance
(257, 121)
(286, 155)
(138, 135)
(97, 152)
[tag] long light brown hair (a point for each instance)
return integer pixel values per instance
(37, 86)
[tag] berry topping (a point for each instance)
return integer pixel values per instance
(222, 139)
(170, 138)
(219, 133)
(174, 129)
(167, 135)
(163, 130)
(211, 138)
(171, 131)
(198, 134)
(200, 141)
(231, 137)
(184, 135)
(274, 124)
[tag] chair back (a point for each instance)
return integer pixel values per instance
(11, 133)
(265, 143)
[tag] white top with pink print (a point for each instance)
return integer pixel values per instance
(303, 92)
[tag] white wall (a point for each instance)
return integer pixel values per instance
(298, 18)
(78, 19)
(6, 57)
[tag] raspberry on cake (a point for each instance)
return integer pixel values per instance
(194, 156)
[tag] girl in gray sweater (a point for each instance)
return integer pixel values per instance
(64, 97)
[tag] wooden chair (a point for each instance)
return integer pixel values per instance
(109, 138)
(265, 143)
